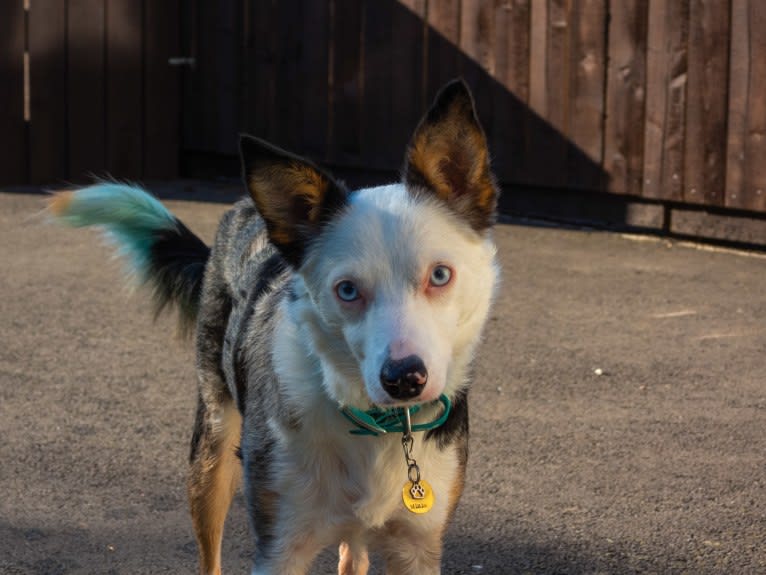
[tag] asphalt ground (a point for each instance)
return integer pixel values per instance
(618, 414)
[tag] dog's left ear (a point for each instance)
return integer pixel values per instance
(294, 197)
(448, 157)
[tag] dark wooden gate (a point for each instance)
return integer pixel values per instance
(85, 88)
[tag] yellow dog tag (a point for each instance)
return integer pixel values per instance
(418, 497)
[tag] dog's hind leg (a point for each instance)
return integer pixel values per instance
(215, 474)
(353, 559)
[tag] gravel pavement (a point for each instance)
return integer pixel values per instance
(618, 413)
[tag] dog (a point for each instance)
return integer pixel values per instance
(335, 332)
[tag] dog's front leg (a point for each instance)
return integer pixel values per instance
(353, 559)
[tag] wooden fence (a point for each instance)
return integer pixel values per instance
(656, 99)
(660, 99)
(85, 88)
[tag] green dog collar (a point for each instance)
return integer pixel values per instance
(377, 421)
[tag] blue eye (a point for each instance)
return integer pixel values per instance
(440, 276)
(346, 291)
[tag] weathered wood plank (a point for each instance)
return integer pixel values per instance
(408, 80)
(626, 86)
(85, 88)
(377, 89)
(161, 91)
(666, 81)
(512, 57)
(315, 79)
(347, 82)
(546, 157)
(510, 90)
(124, 88)
(746, 141)
(739, 72)
(261, 60)
(289, 92)
(477, 56)
(48, 102)
(443, 19)
(559, 86)
(706, 103)
(538, 58)
(13, 160)
(587, 55)
(754, 191)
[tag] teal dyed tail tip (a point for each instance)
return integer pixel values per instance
(111, 204)
(130, 217)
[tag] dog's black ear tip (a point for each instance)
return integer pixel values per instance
(457, 86)
(454, 92)
(256, 152)
(247, 146)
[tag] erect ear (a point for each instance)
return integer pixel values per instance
(294, 197)
(448, 157)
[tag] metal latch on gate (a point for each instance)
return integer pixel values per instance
(182, 61)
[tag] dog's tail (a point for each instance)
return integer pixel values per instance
(160, 250)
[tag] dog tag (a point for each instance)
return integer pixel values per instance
(418, 496)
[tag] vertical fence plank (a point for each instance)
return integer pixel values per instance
(214, 93)
(512, 26)
(85, 88)
(477, 51)
(13, 160)
(408, 79)
(538, 57)
(586, 98)
(161, 92)
(510, 90)
(443, 19)
(124, 88)
(706, 103)
(48, 101)
(347, 82)
(754, 190)
(315, 80)
(739, 71)
(557, 70)
(261, 61)
(537, 169)
(666, 81)
(558, 78)
(746, 148)
(289, 92)
(377, 92)
(626, 85)
(548, 88)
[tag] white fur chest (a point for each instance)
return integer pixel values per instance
(345, 485)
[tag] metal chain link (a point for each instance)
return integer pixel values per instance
(413, 471)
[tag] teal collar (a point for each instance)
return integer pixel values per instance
(378, 421)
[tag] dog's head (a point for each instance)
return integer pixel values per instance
(393, 284)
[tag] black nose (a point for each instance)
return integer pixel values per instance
(404, 378)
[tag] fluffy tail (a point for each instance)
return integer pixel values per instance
(159, 249)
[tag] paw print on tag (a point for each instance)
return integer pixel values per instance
(417, 491)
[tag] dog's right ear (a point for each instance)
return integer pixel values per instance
(448, 157)
(294, 197)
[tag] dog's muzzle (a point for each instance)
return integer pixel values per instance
(404, 378)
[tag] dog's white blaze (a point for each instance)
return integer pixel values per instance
(387, 242)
